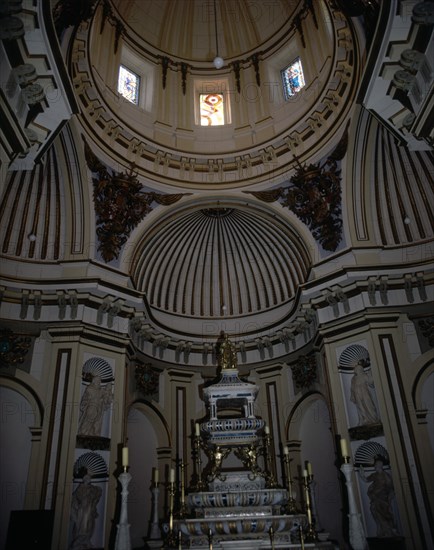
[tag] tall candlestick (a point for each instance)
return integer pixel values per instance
(155, 527)
(310, 533)
(356, 528)
(291, 507)
(123, 539)
(182, 483)
(125, 457)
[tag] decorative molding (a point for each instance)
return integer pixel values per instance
(93, 443)
(366, 432)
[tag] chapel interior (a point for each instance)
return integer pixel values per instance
(216, 281)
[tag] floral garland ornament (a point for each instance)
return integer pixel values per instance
(120, 204)
(304, 371)
(13, 348)
(146, 378)
(314, 195)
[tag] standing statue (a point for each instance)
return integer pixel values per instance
(381, 494)
(96, 399)
(228, 354)
(83, 514)
(361, 384)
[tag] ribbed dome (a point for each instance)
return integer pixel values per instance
(187, 29)
(221, 262)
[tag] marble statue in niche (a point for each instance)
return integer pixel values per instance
(362, 388)
(96, 399)
(84, 513)
(381, 494)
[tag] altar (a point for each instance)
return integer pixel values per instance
(243, 507)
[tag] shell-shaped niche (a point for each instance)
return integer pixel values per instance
(93, 464)
(98, 367)
(370, 451)
(352, 355)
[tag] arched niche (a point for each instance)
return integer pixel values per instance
(148, 438)
(423, 395)
(20, 417)
(309, 430)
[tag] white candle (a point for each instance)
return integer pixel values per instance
(285, 450)
(309, 468)
(125, 457)
(304, 473)
(197, 429)
(171, 475)
(344, 447)
(267, 430)
(156, 475)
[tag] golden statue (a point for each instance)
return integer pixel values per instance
(228, 354)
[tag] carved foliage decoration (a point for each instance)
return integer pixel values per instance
(304, 371)
(146, 378)
(120, 205)
(427, 328)
(71, 12)
(314, 195)
(13, 348)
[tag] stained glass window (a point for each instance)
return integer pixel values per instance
(128, 84)
(211, 110)
(293, 78)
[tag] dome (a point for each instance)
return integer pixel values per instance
(220, 262)
(187, 30)
(168, 48)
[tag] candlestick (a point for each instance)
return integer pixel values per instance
(183, 510)
(198, 484)
(155, 526)
(171, 541)
(123, 540)
(311, 535)
(125, 457)
(356, 529)
(171, 498)
(271, 534)
(291, 507)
